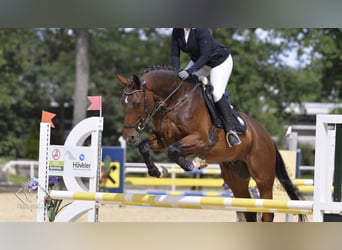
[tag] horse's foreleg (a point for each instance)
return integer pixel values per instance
(153, 170)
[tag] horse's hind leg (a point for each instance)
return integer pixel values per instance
(236, 175)
(266, 192)
(264, 181)
(261, 166)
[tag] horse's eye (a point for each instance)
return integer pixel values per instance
(136, 105)
(130, 101)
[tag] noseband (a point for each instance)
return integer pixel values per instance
(144, 118)
(140, 123)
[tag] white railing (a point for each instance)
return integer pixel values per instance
(22, 164)
(137, 167)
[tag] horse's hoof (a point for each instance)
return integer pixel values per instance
(199, 163)
(154, 173)
(240, 217)
(163, 171)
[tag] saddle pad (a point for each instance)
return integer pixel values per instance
(239, 122)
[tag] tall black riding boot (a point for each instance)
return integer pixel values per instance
(224, 107)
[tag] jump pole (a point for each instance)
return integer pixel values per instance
(194, 202)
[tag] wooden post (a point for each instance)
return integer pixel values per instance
(338, 165)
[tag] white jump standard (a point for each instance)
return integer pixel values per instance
(73, 162)
(326, 126)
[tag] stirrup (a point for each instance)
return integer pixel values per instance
(235, 137)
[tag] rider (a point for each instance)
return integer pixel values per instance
(207, 56)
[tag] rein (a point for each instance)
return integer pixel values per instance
(146, 117)
(168, 109)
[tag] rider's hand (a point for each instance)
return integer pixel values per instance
(183, 74)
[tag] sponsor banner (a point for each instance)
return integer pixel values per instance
(56, 166)
(78, 161)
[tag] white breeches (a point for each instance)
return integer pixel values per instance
(219, 76)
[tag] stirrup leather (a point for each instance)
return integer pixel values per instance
(234, 134)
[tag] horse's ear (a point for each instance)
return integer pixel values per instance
(123, 80)
(137, 80)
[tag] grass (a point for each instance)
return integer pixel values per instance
(16, 179)
(4, 160)
(307, 175)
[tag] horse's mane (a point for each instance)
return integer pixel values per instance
(150, 68)
(155, 68)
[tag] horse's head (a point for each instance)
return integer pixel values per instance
(145, 95)
(136, 102)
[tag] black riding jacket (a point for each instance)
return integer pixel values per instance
(202, 48)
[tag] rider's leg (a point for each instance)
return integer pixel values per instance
(224, 107)
(219, 77)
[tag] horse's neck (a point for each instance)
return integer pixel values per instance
(167, 88)
(177, 95)
(181, 93)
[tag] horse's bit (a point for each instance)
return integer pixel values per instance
(146, 116)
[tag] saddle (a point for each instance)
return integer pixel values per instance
(239, 123)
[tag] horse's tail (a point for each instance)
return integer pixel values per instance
(284, 179)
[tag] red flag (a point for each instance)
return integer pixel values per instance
(96, 103)
(47, 118)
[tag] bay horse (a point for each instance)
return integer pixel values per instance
(181, 124)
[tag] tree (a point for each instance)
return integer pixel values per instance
(82, 76)
(51, 76)
(126, 52)
(327, 47)
(15, 49)
(31, 144)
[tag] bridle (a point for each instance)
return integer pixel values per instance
(141, 122)
(144, 118)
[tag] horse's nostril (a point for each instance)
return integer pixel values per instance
(132, 139)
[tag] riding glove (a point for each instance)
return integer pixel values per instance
(183, 74)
